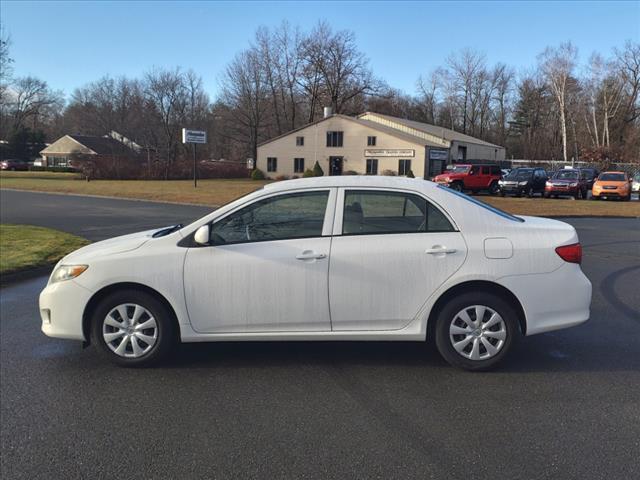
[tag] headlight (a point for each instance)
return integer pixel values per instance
(500, 182)
(548, 184)
(573, 184)
(67, 272)
(522, 184)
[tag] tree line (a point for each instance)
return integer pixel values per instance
(557, 109)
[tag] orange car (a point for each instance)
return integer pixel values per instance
(612, 185)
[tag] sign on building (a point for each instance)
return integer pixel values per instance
(194, 136)
(383, 152)
(438, 154)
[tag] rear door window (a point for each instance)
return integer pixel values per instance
(378, 212)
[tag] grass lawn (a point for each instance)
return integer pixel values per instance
(209, 192)
(24, 246)
(220, 191)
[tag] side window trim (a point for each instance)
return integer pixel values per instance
(339, 208)
(326, 225)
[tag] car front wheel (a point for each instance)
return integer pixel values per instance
(132, 328)
(475, 331)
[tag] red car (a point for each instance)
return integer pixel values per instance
(570, 181)
(471, 177)
(14, 165)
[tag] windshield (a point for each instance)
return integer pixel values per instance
(566, 175)
(612, 177)
(486, 206)
(457, 169)
(519, 174)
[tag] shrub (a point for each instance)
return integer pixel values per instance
(317, 170)
(350, 172)
(410, 174)
(389, 173)
(308, 173)
(282, 177)
(257, 174)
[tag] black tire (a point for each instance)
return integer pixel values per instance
(595, 197)
(447, 316)
(530, 192)
(502, 194)
(166, 333)
(493, 188)
(457, 186)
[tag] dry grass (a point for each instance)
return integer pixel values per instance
(219, 191)
(564, 207)
(209, 192)
(23, 246)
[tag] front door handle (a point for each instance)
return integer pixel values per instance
(437, 249)
(311, 255)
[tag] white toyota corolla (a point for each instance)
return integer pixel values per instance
(331, 258)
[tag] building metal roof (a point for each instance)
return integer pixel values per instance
(441, 132)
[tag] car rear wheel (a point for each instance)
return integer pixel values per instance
(132, 328)
(493, 188)
(530, 192)
(475, 331)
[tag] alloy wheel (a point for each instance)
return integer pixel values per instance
(477, 332)
(129, 330)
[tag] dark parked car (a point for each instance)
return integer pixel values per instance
(13, 164)
(590, 175)
(569, 181)
(523, 181)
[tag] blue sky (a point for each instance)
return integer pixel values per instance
(71, 43)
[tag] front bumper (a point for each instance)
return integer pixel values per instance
(601, 192)
(557, 190)
(62, 305)
(552, 301)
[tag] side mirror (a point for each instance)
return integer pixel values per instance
(201, 236)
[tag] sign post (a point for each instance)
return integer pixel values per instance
(194, 137)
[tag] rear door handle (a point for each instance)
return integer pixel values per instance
(311, 255)
(439, 250)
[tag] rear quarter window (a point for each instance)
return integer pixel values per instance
(497, 211)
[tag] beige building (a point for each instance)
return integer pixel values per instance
(70, 148)
(371, 143)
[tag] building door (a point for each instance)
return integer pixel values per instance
(335, 165)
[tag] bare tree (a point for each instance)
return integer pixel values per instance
(245, 91)
(557, 65)
(465, 68)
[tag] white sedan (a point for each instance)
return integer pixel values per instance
(331, 258)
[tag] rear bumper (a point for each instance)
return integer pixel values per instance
(552, 301)
(62, 305)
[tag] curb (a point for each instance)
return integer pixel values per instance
(8, 279)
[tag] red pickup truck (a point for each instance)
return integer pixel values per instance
(471, 177)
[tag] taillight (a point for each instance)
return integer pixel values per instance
(570, 253)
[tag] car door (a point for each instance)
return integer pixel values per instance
(266, 268)
(473, 179)
(390, 251)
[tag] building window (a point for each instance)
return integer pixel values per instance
(372, 166)
(299, 141)
(57, 161)
(404, 166)
(272, 164)
(334, 139)
(371, 141)
(462, 153)
(298, 165)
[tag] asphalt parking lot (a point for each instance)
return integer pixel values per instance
(565, 405)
